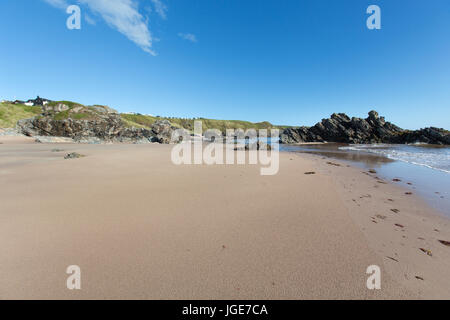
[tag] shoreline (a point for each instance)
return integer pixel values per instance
(140, 227)
(398, 235)
(430, 183)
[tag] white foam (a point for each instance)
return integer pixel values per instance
(437, 159)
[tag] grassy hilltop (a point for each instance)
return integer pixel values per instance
(11, 113)
(146, 121)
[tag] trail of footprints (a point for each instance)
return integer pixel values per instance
(396, 226)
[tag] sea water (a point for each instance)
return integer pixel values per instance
(433, 157)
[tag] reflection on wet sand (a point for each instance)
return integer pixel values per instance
(332, 150)
(433, 185)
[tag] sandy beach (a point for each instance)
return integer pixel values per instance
(141, 227)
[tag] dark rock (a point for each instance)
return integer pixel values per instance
(162, 131)
(373, 129)
(333, 164)
(73, 155)
(263, 146)
(259, 145)
(430, 135)
(106, 128)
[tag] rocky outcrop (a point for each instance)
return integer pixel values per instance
(258, 145)
(107, 127)
(428, 135)
(162, 131)
(373, 129)
(254, 146)
(73, 155)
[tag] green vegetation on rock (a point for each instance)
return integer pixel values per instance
(73, 115)
(139, 121)
(70, 104)
(75, 111)
(61, 110)
(11, 113)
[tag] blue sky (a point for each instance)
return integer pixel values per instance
(290, 62)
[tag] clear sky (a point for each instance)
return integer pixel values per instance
(289, 62)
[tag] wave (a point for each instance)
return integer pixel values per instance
(433, 158)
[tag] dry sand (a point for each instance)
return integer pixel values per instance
(142, 228)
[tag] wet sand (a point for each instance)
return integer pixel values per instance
(430, 184)
(140, 227)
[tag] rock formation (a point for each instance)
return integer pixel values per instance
(96, 124)
(373, 129)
